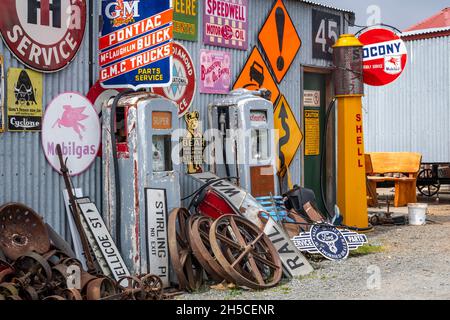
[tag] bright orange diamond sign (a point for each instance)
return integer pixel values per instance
(279, 40)
(256, 75)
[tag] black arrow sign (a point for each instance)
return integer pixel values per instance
(285, 139)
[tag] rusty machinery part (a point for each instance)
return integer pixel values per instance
(8, 289)
(200, 243)
(54, 298)
(85, 279)
(245, 252)
(187, 268)
(21, 230)
(100, 288)
(133, 290)
(71, 294)
(31, 268)
(153, 286)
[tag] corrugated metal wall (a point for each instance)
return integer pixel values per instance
(413, 113)
(25, 175)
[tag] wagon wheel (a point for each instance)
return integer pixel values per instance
(132, 290)
(200, 243)
(189, 272)
(245, 252)
(431, 188)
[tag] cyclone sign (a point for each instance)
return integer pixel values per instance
(45, 35)
(384, 56)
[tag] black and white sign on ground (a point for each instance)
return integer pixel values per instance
(158, 250)
(294, 263)
(103, 240)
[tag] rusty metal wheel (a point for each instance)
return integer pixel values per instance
(71, 294)
(200, 243)
(21, 230)
(188, 270)
(33, 269)
(245, 252)
(153, 286)
(101, 288)
(132, 288)
(54, 298)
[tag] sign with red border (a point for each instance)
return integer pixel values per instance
(182, 89)
(44, 35)
(384, 58)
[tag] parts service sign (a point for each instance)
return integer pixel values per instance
(71, 121)
(385, 56)
(136, 44)
(43, 34)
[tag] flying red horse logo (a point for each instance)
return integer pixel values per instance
(394, 61)
(71, 118)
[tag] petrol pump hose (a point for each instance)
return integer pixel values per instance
(116, 165)
(322, 167)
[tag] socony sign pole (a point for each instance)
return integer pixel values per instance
(349, 89)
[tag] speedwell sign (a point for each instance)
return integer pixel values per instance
(136, 44)
(330, 242)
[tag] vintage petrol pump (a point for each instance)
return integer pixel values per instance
(145, 176)
(246, 150)
(349, 89)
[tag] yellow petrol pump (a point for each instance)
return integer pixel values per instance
(349, 90)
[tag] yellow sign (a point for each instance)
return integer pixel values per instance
(289, 135)
(279, 40)
(312, 133)
(24, 107)
(256, 75)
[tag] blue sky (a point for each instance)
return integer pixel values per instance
(398, 13)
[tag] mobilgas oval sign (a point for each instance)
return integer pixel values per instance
(45, 35)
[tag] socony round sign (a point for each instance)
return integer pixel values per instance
(182, 89)
(43, 34)
(385, 56)
(71, 121)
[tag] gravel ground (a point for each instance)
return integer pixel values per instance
(414, 263)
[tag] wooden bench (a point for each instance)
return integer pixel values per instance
(401, 168)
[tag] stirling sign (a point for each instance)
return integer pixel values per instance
(45, 35)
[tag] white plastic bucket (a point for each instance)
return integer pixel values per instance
(417, 213)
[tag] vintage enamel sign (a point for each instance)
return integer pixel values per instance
(256, 75)
(24, 107)
(215, 68)
(384, 56)
(44, 35)
(182, 89)
(71, 121)
(157, 246)
(106, 247)
(294, 263)
(97, 95)
(225, 23)
(329, 241)
(136, 44)
(185, 19)
(279, 40)
(290, 135)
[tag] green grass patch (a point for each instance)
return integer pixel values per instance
(366, 249)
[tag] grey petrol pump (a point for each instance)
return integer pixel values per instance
(142, 169)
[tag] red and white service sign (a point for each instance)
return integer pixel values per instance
(45, 35)
(385, 56)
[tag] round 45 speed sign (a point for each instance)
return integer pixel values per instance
(384, 57)
(43, 34)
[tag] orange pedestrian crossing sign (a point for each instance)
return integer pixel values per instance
(289, 135)
(256, 75)
(279, 40)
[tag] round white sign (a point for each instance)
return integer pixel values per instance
(71, 121)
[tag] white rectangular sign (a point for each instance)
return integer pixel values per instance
(311, 98)
(157, 243)
(294, 263)
(104, 240)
